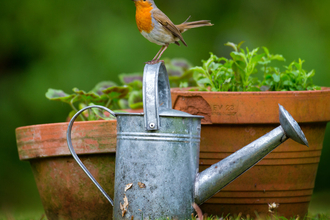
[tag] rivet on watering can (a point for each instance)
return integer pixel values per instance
(152, 125)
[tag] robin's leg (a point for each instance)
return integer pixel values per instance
(161, 53)
(158, 55)
(158, 52)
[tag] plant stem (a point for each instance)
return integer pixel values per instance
(75, 109)
(108, 103)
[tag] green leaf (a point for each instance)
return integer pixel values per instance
(266, 50)
(135, 100)
(237, 56)
(208, 62)
(311, 74)
(247, 50)
(78, 91)
(99, 113)
(184, 85)
(204, 81)
(117, 92)
(136, 85)
(59, 95)
(239, 67)
(91, 97)
(123, 104)
(198, 69)
(102, 86)
(277, 57)
(254, 51)
(276, 77)
(236, 47)
(297, 65)
(257, 58)
(176, 67)
(73, 112)
(179, 71)
(88, 96)
(264, 62)
(253, 89)
(287, 83)
(126, 78)
(182, 63)
(138, 105)
(232, 45)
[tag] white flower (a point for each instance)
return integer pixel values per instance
(272, 207)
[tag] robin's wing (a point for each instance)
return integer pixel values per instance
(168, 24)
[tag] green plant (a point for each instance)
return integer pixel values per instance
(238, 72)
(127, 96)
(106, 93)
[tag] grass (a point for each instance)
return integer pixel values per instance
(274, 217)
(319, 209)
(320, 203)
(39, 215)
(27, 215)
(27, 212)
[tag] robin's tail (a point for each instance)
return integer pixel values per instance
(194, 24)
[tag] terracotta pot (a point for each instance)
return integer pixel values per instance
(235, 119)
(65, 190)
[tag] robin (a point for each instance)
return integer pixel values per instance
(154, 25)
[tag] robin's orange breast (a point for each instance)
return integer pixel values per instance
(143, 18)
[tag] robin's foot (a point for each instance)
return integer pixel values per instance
(151, 62)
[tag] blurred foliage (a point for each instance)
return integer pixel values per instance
(66, 44)
(120, 98)
(179, 73)
(105, 93)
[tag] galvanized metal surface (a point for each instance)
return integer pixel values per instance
(291, 127)
(75, 156)
(165, 162)
(156, 94)
(216, 177)
(158, 153)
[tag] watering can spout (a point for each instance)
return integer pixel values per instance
(216, 177)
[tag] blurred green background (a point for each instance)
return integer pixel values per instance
(65, 44)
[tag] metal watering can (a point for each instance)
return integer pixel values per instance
(157, 155)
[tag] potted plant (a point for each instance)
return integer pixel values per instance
(65, 191)
(239, 108)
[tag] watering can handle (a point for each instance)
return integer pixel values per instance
(75, 156)
(156, 94)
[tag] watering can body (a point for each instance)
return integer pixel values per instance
(157, 168)
(157, 156)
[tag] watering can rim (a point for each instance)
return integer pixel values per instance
(163, 113)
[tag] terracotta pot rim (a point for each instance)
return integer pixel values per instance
(185, 91)
(49, 140)
(65, 123)
(253, 107)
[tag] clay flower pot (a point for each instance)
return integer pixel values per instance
(235, 119)
(65, 190)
